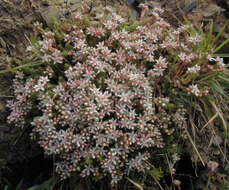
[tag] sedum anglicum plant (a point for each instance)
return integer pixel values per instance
(103, 102)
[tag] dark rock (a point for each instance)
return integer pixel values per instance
(130, 2)
(49, 13)
(211, 10)
(134, 4)
(224, 4)
(187, 7)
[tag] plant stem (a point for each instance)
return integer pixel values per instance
(209, 181)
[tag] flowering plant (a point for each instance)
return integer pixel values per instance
(104, 99)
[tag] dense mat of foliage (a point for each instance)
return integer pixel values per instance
(111, 95)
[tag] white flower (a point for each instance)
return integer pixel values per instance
(194, 89)
(212, 165)
(194, 69)
(110, 25)
(41, 83)
(182, 56)
(78, 15)
(210, 58)
(220, 62)
(29, 48)
(195, 39)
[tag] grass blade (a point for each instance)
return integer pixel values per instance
(210, 120)
(209, 36)
(135, 184)
(31, 64)
(221, 45)
(194, 146)
(218, 88)
(220, 33)
(224, 122)
(223, 78)
(19, 185)
(193, 31)
(220, 55)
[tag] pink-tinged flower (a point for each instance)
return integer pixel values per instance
(161, 23)
(194, 69)
(212, 165)
(195, 39)
(152, 36)
(46, 58)
(186, 58)
(162, 62)
(182, 56)
(78, 15)
(115, 180)
(87, 171)
(41, 83)
(158, 10)
(169, 44)
(101, 98)
(46, 45)
(194, 89)
(121, 58)
(117, 18)
(110, 24)
(160, 66)
(220, 63)
(96, 31)
(49, 34)
(117, 35)
(29, 48)
(36, 24)
(144, 8)
(181, 29)
(177, 183)
(57, 57)
(210, 58)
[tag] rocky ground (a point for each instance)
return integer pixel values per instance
(16, 19)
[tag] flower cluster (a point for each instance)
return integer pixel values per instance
(100, 108)
(212, 165)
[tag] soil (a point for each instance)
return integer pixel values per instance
(17, 152)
